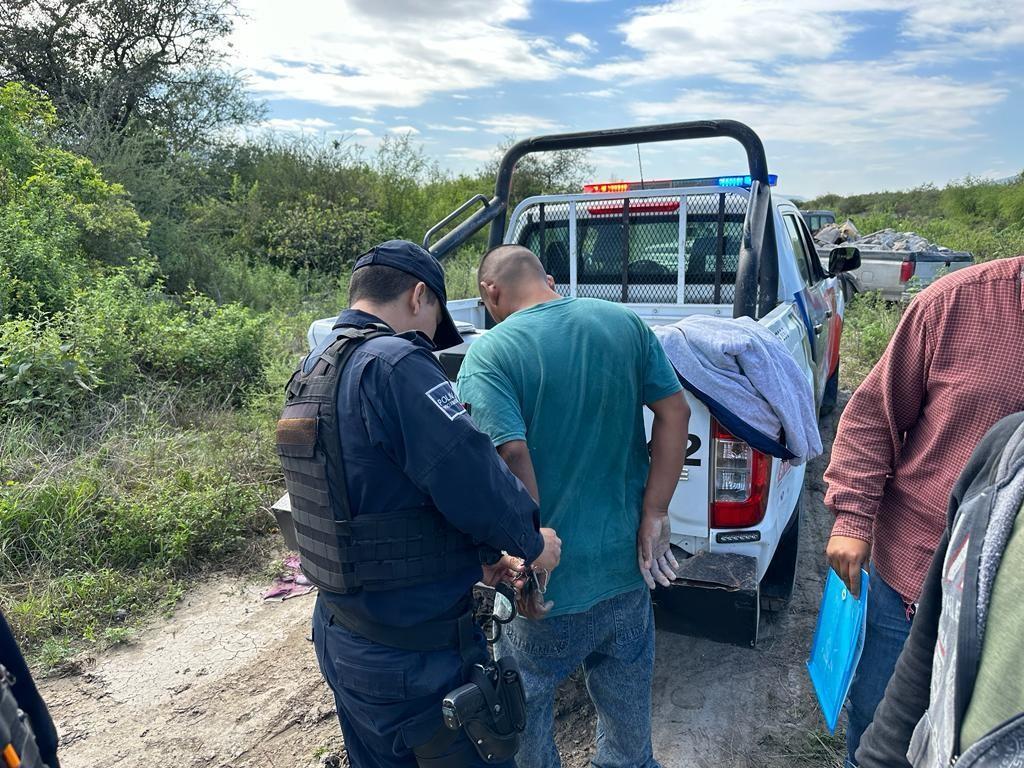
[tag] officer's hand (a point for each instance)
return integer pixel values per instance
(508, 568)
(552, 553)
(847, 556)
(653, 551)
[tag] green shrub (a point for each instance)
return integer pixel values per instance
(41, 265)
(40, 370)
(117, 335)
(60, 221)
(216, 349)
(867, 328)
(317, 235)
(254, 283)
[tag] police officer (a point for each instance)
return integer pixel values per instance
(395, 494)
(27, 736)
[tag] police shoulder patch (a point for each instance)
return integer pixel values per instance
(444, 397)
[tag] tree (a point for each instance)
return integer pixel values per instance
(544, 173)
(61, 222)
(114, 65)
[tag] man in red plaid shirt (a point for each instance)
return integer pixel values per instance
(954, 367)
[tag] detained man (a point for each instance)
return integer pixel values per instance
(559, 385)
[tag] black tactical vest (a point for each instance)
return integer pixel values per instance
(341, 553)
(17, 742)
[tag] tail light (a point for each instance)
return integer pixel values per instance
(906, 271)
(739, 494)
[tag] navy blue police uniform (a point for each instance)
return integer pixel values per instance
(27, 735)
(408, 444)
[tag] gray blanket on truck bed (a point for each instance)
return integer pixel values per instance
(743, 366)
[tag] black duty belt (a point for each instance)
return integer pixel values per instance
(456, 633)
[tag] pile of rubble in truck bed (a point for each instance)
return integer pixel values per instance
(884, 240)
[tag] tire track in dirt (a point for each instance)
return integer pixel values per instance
(231, 682)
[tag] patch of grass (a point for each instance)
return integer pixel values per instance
(811, 749)
(102, 523)
(868, 326)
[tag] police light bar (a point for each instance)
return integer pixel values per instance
(708, 181)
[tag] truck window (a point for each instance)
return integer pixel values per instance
(714, 229)
(802, 261)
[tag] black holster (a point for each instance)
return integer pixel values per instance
(490, 709)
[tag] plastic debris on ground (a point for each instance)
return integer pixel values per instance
(892, 240)
(884, 239)
(291, 583)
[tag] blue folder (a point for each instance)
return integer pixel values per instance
(838, 643)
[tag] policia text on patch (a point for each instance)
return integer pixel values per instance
(394, 495)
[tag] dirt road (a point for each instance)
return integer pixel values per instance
(231, 682)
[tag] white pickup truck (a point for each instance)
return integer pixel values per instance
(722, 246)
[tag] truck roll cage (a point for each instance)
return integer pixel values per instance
(757, 274)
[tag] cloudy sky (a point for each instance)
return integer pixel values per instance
(848, 95)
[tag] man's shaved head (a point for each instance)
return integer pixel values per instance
(510, 266)
(511, 278)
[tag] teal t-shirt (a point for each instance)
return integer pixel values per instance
(570, 377)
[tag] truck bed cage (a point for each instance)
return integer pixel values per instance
(756, 291)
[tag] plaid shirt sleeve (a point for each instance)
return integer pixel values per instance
(872, 428)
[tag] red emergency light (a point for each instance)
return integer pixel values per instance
(615, 186)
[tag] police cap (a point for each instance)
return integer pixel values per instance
(416, 261)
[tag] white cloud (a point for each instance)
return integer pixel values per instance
(740, 41)
(603, 93)
(582, 41)
(362, 132)
(710, 37)
(517, 124)
(475, 154)
(451, 128)
(404, 129)
(840, 103)
(460, 96)
(296, 125)
(367, 120)
(374, 53)
(974, 27)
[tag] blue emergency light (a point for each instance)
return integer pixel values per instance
(744, 181)
(707, 181)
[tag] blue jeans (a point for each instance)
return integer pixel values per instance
(614, 641)
(888, 626)
(388, 699)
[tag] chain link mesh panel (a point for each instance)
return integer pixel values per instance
(627, 250)
(714, 231)
(544, 229)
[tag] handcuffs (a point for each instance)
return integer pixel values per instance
(505, 602)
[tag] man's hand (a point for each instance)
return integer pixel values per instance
(508, 568)
(552, 553)
(847, 556)
(654, 555)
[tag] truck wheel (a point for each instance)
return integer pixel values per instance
(777, 584)
(831, 394)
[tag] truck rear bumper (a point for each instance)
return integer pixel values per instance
(715, 595)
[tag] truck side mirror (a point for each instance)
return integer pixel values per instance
(844, 258)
